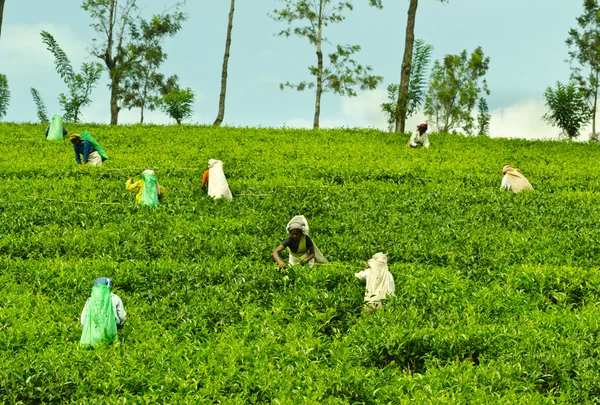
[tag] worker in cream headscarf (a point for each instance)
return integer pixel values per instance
(514, 181)
(148, 190)
(380, 282)
(215, 178)
(301, 247)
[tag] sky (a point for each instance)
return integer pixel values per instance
(525, 40)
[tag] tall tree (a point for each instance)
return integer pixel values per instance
(4, 95)
(80, 85)
(221, 112)
(584, 45)
(568, 108)
(1, 14)
(143, 85)
(483, 117)
(307, 19)
(409, 40)
(416, 90)
(40, 106)
(454, 88)
(111, 23)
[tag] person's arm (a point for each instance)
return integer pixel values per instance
(425, 140)
(204, 180)
(276, 252)
(86, 151)
(505, 185)
(77, 158)
(65, 132)
(119, 310)
(311, 254)
(362, 274)
(413, 139)
(132, 186)
(47, 130)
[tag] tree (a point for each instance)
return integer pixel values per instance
(409, 41)
(1, 14)
(177, 104)
(483, 118)
(569, 109)
(111, 22)
(307, 19)
(142, 84)
(584, 45)
(221, 113)
(416, 91)
(40, 106)
(454, 88)
(4, 95)
(80, 85)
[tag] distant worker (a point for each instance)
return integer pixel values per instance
(214, 177)
(301, 247)
(55, 131)
(102, 314)
(514, 181)
(148, 190)
(85, 151)
(380, 282)
(419, 137)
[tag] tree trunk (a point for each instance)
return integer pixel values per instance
(221, 112)
(114, 91)
(142, 116)
(319, 69)
(1, 13)
(409, 41)
(594, 109)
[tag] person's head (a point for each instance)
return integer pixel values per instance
(148, 171)
(505, 169)
(103, 281)
(422, 128)
(295, 233)
(211, 162)
(75, 139)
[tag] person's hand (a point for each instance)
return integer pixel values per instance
(282, 265)
(303, 262)
(131, 179)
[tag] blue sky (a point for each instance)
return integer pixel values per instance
(525, 40)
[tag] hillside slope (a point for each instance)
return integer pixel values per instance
(496, 294)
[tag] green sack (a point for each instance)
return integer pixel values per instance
(55, 133)
(100, 324)
(86, 136)
(149, 192)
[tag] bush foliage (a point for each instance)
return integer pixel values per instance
(496, 294)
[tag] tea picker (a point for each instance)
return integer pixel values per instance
(300, 246)
(102, 314)
(419, 137)
(214, 177)
(148, 190)
(380, 282)
(514, 180)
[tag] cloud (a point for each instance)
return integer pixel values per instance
(522, 120)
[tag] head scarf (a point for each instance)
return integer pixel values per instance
(211, 162)
(103, 281)
(148, 171)
(74, 137)
(300, 223)
(423, 126)
(379, 283)
(518, 182)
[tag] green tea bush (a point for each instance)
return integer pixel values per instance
(497, 295)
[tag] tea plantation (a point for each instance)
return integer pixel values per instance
(497, 295)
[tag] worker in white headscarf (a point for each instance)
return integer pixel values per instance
(301, 247)
(214, 177)
(514, 180)
(380, 282)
